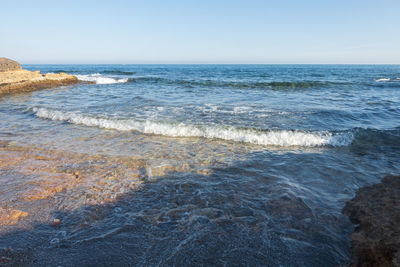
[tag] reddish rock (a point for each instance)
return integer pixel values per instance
(55, 222)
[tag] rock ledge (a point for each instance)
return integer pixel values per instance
(376, 210)
(13, 79)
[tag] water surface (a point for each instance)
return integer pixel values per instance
(232, 163)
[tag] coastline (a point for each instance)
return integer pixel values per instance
(70, 170)
(376, 212)
(14, 79)
(375, 209)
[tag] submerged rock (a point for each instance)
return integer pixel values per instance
(376, 210)
(11, 216)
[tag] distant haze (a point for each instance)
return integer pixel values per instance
(217, 31)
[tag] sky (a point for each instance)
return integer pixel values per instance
(201, 31)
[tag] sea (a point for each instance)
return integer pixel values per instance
(239, 165)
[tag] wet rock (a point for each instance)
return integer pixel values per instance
(209, 212)
(161, 170)
(43, 192)
(11, 216)
(242, 212)
(5, 259)
(55, 222)
(376, 210)
(11, 257)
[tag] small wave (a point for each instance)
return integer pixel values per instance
(114, 72)
(383, 80)
(118, 72)
(66, 71)
(254, 136)
(273, 85)
(388, 80)
(374, 140)
(99, 79)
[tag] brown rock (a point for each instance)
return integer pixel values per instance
(43, 192)
(11, 216)
(13, 79)
(376, 241)
(8, 64)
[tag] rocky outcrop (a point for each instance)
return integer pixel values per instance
(376, 211)
(8, 64)
(13, 79)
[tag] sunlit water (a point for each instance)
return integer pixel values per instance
(262, 159)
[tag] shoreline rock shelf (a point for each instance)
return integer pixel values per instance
(376, 212)
(14, 79)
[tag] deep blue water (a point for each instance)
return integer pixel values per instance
(287, 146)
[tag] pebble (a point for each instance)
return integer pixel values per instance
(55, 222)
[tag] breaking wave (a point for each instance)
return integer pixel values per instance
(99, 79)
(248, 135)
(388, 80)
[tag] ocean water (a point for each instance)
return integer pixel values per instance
(244, 164)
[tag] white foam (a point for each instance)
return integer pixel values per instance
(261, 137)
(212, 108)
(241, 109)
(99, 79)
(383, 80)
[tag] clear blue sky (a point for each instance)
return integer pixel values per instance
(201, 31)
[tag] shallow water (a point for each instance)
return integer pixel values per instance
(200, 164)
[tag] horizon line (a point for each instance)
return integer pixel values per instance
(209, 63)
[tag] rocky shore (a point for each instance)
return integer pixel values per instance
(376, 212)
(13, 79)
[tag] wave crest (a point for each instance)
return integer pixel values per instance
(254, 136)
(273, 85)
(99, 79)
(388, 80)
(118, 72)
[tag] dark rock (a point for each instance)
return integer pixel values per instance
(8, 64)
(376, 210)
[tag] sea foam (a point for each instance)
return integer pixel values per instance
(387, 80)
(248, 135)
(99, 79)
